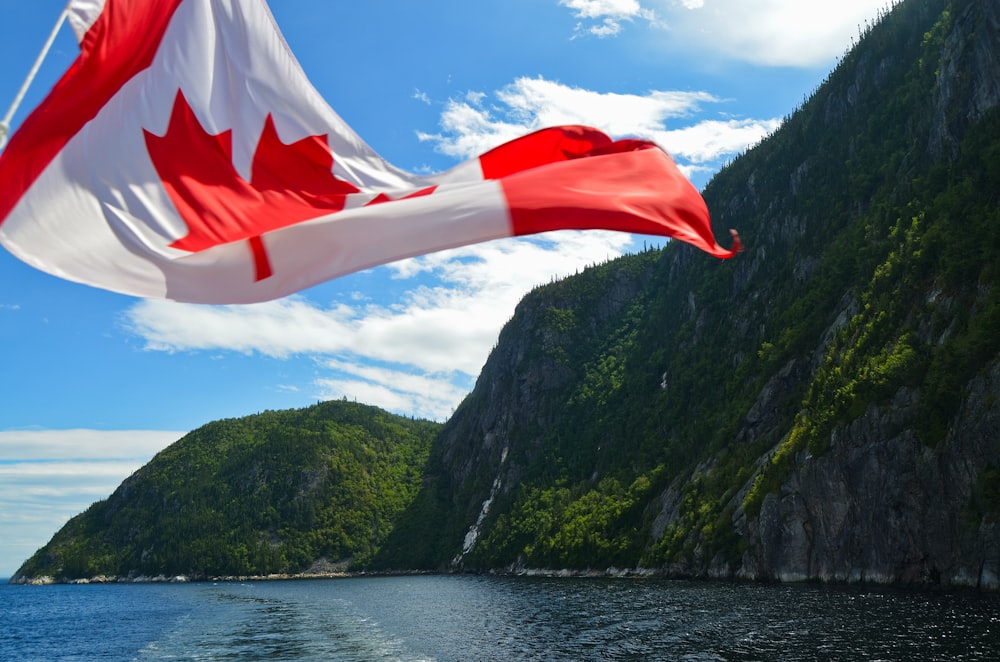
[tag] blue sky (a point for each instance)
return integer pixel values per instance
(96, 383)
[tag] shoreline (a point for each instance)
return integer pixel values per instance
(564, 573)
(617, 573)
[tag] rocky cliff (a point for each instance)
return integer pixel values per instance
(889, 498)
(823, 407)
(880, 506)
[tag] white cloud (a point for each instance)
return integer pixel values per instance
(608, 15)
(712, 140)
(609, 28)
(48, 476)
(39, 445)
(417, 355)
(471, 130)
(529, 104)
(769, 32)
(603, 8)
(392, 388)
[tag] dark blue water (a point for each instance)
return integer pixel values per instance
(489, 618)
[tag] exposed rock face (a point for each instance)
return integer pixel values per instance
(488, 444)
(883, 507)
(968, 80)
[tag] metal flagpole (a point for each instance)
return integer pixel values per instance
(5, 122)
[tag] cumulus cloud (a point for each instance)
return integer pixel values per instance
(767, 32)
(771, 32)
(475, 124)
(392, 388)
(708, 141)
(603, 18)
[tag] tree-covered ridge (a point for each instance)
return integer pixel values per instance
(268, 493)
(868, 285)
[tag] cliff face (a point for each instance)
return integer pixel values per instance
(880, 506)
(511, 429)
(883, 503)
(878, 497)
(822, 407)
(967, 84)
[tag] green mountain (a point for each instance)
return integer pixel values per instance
(824, 406)
(278, 492)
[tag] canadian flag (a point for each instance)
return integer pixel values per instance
(185, 155)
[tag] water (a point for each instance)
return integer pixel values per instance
(491, 618)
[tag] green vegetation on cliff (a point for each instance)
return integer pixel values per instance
(871, 220)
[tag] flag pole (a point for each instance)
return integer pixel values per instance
(5, 122)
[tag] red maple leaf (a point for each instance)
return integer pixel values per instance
(288, 183)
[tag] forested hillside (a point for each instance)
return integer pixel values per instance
(825, 406)
(277, 492)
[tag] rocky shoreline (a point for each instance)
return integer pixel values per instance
(611, 572)
(595, 573)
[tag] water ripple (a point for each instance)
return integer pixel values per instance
(443, 618)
